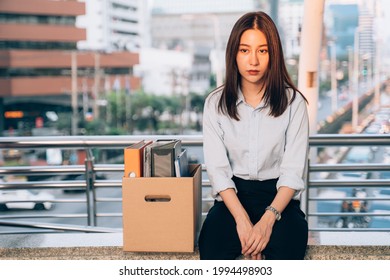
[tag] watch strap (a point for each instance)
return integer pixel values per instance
(276, 212)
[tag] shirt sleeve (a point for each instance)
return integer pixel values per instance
(294, 162)
(215, 155)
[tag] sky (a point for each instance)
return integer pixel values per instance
(199, 6)
(386, 18)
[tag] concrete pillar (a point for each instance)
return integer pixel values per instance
(309, 61)
(310, 56)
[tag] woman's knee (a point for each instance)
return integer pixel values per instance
(218, 237)
(288, 240)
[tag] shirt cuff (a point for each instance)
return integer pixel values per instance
(219, 185)
(293, 182)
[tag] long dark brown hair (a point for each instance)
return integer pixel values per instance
(276, 78)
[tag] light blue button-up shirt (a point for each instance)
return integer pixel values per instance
(258, 146)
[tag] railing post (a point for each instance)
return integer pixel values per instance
(306, 193)
(90, 180)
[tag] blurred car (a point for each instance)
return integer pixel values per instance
(25, 199)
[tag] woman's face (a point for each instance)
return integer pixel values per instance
(252, 57)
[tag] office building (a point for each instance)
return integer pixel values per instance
(115, 25)
(37, 40)
(290, 26)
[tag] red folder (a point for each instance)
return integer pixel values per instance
(134, 159)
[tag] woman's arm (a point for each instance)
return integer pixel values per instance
(293, 166)
(243, 223)
(261, 232)
(216, 159)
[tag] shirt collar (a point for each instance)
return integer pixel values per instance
(240, 97)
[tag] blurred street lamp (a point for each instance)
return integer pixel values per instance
(367, 69)
(355, 101)
(350, 71)
(379, 27)
(74, 94)
(333, 72)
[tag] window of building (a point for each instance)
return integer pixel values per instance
(36, 19)
(37, 45)
(123, 7)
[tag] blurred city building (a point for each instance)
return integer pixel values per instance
(290, 26)
(115, 25)
(366, 32)
(177, 47)
(200, 28)
(341, 21)
(164, 72)
(38, 40)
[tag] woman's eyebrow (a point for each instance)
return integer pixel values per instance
(247, 45)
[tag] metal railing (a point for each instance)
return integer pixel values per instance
(331, 181)
(104, 155)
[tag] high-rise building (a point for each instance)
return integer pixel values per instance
(38, 39)
(115, 25)
(290, 26)
(341, 22)
(366, 33)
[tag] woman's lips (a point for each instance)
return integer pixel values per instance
(253, 72)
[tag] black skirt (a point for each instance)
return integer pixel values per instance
(219, 239)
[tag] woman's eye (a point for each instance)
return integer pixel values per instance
(243, 50)
(263, 51)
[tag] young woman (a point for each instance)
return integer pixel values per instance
(255, 131)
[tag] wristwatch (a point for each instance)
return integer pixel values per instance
(276, 212)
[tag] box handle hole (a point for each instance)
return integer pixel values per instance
(157, 198)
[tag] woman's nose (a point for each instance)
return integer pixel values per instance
(254, 60)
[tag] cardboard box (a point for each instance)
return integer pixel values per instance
(162, 214)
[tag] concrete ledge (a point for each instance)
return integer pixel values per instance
(353, 252)
(108, 246)
(89, 253)
(315, 252)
